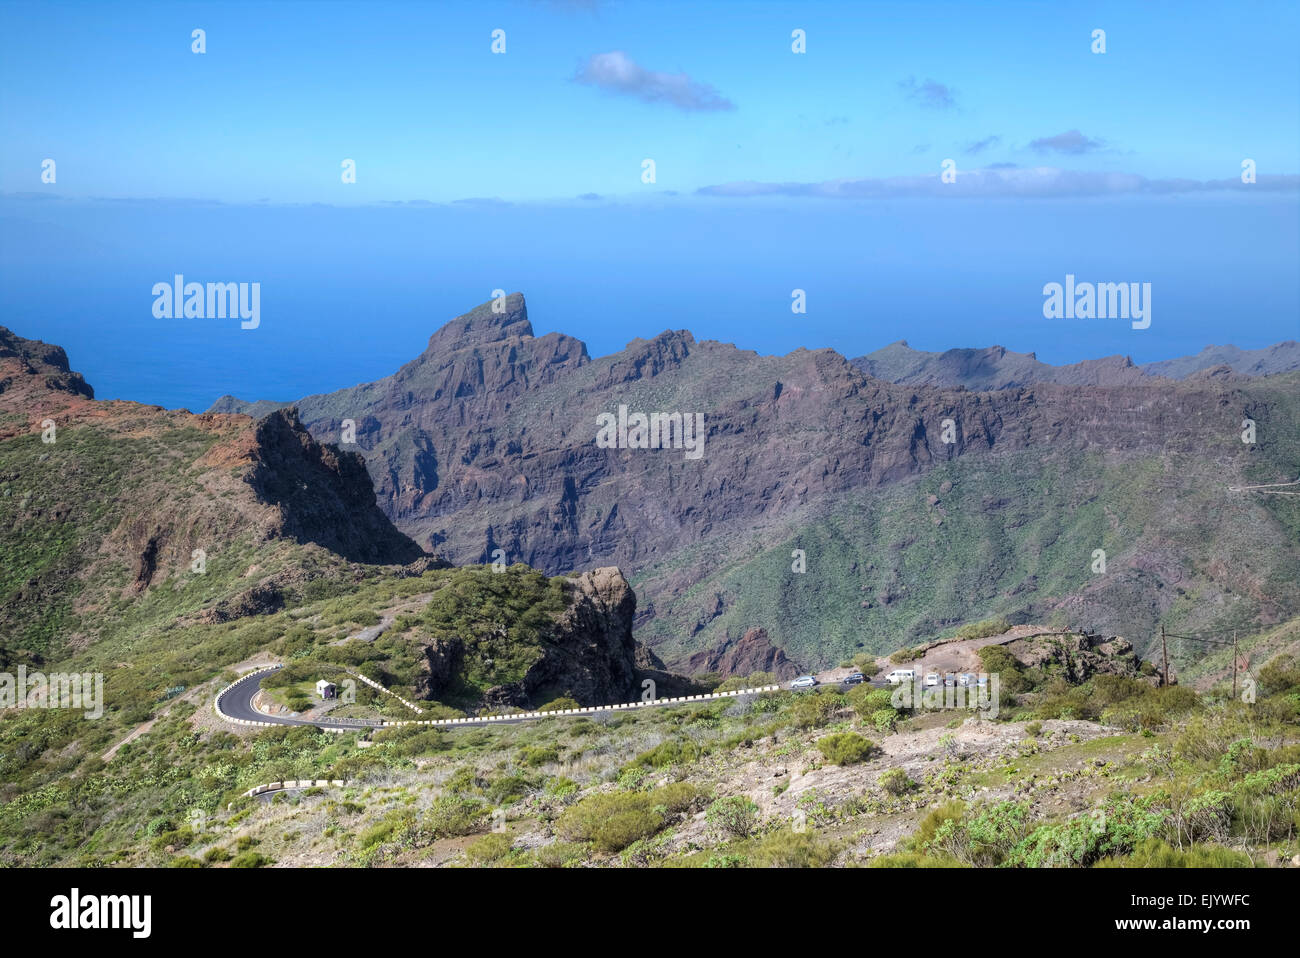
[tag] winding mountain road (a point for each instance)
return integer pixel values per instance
(234, 703)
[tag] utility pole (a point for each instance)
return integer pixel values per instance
(1164, 651)
(1235, 660)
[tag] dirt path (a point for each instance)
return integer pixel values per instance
(140, 730)
(960, 655)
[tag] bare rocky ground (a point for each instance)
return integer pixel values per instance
(958, 655)
(1060, 767)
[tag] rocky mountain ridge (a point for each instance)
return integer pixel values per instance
(997, 368)
(485, 445)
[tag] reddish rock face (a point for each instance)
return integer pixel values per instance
(753, 652)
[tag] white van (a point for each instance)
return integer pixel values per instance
(899, 676)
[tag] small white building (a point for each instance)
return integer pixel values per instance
(326, 690)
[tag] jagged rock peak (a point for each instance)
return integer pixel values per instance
(490, 322)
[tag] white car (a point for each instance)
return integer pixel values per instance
(803, 682)
(931, 679)
(899, 676)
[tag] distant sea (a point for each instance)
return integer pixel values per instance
(348, 294)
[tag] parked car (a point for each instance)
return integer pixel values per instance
(966, 679)
(899, 676)
(931, 679)
(804, 682)
(855, 678)
(950, 680)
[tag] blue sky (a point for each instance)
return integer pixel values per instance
(773, 171)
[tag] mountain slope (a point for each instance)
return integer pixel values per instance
(487, 442)
(114, 510)
(1000, 368)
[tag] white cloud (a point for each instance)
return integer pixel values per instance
(616, 72)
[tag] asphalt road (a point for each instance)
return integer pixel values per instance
(237, 703)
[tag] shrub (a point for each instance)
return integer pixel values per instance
(984, 835)
(896, 782)
(1282, 674)
(557, 705)
(726, 861)
(866, 701)
(452, 815)
(667, 753)
(535, 755)
(614, 820)
(983, 629)
(735, 815)
(491, 849)
(559, 854)
(913, 860)
(845, 748)
(250, 860)
(1154, 853)
(1122, 823)
(885, 720)
(864, 662)
(813, 711)
(508, 789)
(561, 787)
(791, 849)
(747, 682)
(930, 824)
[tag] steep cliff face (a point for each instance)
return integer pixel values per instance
(753, 652)
(38, 365)
(592, 655)
(587, 653)
(321, 495)
(213, 516)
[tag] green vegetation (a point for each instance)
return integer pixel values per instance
(845, 748)
(735, 816)
(503, 617)
(613, 821)
(1010, 538)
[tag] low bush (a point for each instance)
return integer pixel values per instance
(735, 816)
(896, 782)
(845, 748)
(614, 820)
(492, 849)
(791, 849)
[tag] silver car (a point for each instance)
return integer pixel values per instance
(804, 682)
